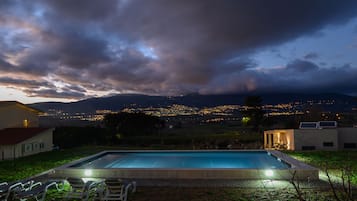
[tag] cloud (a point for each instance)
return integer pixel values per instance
(35, 88)
(338, 79)
(335, 79)
(158, 46)
(4, 65)
(302, 66)
(84, 9)
(51, 93)
(311, 55)
(7, 81)
(355, 29)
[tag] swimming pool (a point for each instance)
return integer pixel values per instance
(188, 159)
(213, 164)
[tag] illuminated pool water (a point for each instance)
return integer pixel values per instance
(187, 164)
(220, 159)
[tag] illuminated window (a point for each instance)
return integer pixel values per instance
(26, 123)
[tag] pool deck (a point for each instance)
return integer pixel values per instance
(298, 170)
(229, 183)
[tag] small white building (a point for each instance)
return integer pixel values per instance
(14, 114)
(19, 142)
(323, 135)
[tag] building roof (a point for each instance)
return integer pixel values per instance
(10, 136)
(21, 105)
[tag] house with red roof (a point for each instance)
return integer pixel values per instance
(19, 142)
(19, 132)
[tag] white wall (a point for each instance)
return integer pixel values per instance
(347, 135)
(28, 147)
(6, 152)
(13, 116)
(316, 138)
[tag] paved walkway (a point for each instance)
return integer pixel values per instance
(229, 183)
(252, 190)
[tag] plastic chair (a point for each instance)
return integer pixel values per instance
(117, 189)
(80, 189)
(7, 189)
(38, 190)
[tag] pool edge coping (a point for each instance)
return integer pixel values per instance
(277, 154)
(297, 170)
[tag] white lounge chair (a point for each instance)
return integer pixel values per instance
(38, 190)
(116, 189)
(80, 189)
(7, 189)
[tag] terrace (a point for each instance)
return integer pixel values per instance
(196, 189)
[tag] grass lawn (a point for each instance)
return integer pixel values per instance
(333, 161)
(224, 194)
(29, 166)
(21, 168)
(11, 170)
(197, 135)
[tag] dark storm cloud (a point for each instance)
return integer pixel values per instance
(193, 37)
(212, 27)
(14, 44)
(75, 88)
(311, 55)
(78, 50)
(302, 66)
(52, 93)
(84, 9)
(323, 63)
(355, 29)
(4, 66)
(338, 79)
(5, 3)
(159, 46)
(7, 81)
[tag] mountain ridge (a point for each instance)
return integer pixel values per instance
(119, 102)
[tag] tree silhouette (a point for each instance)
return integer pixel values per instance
(253, 114)
(312, 113)
(132, 124)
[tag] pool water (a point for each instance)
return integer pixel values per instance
(187, 160)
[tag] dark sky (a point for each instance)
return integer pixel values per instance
(69, 50)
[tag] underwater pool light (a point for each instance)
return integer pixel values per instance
(88, 172)
(269, 173)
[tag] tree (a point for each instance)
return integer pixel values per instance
(253, 114)
(132, 124)
(312, 113)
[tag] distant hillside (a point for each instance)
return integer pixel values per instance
(118, 102)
